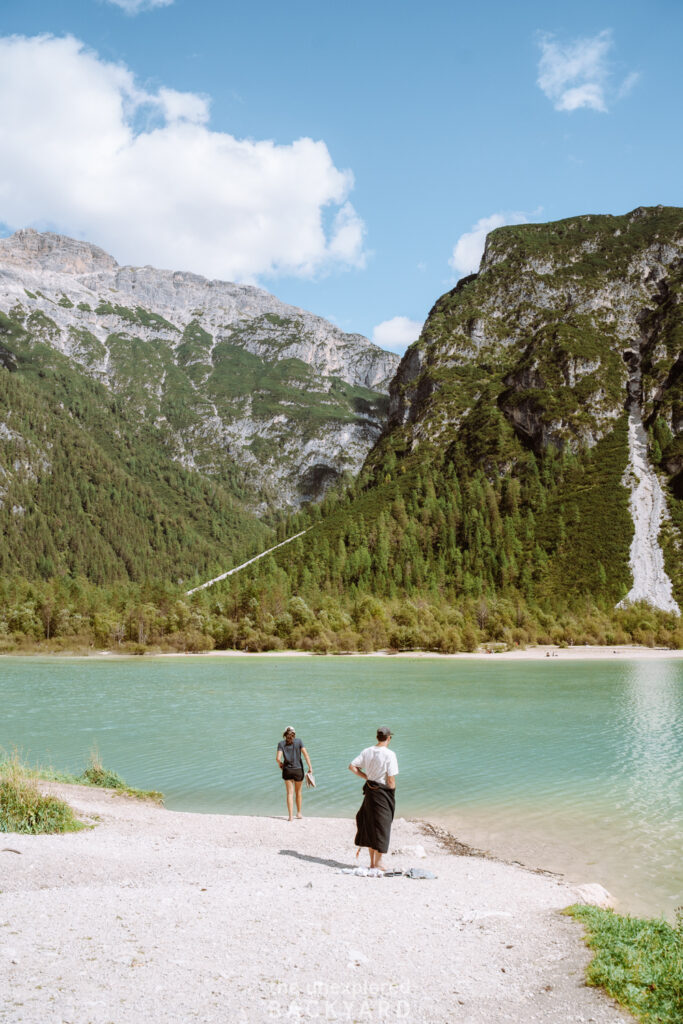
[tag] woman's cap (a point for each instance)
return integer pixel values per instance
(290, 728)
(384, 732)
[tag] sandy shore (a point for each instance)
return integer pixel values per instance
(624, 652)
(527, 654)
(159, 916)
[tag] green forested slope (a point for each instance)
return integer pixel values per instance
(496, 499)
(493, 508)
(87, 489)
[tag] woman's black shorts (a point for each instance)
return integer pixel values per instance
(295, 774)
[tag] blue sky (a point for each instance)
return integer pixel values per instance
(348, 158)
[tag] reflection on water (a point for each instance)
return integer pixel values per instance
(652, 741)
(652, 735)
(576, 767)
(613, 810)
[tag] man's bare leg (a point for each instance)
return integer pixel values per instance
(297, 788)
(290, 797)
(376, 860)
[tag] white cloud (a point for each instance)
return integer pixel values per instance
(183, 106)
(574, 75)
(396, 334)
(589, 95)
(578, 75)
(628, 84)
(348, 231)
(135, 6)
(88, 152)
(469, 248)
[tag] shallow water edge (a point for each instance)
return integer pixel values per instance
(569, 764)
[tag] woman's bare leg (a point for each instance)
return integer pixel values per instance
(289, 783)
(297, 788)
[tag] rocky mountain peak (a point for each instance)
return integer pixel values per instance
(53, 266)
(223, 370)
(54, 253)
(548, 321)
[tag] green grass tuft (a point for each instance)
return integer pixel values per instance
(638, 962)
(97, 775)
(24, 809)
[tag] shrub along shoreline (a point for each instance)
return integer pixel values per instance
(262, 614)
(25, 810)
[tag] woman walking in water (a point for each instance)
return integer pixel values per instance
(289, 753)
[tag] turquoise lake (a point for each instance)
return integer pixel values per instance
(575, 767)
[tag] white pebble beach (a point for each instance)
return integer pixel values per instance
(167, 917)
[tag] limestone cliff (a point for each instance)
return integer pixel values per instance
(223, 371)
(553, 322)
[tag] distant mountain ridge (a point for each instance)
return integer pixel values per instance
(226, 373)
(526, 485)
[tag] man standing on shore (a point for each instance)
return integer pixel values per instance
(379, 767)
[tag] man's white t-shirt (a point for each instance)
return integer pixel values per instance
(377, 763)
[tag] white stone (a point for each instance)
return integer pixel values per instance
(594, 894)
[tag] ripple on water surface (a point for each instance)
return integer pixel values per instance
(575, 766)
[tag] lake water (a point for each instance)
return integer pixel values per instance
(572, 766)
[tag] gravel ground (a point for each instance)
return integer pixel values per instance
(157, 916)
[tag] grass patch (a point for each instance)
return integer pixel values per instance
(638, 962)
(94, 775)
(97, 775)
(24, 809)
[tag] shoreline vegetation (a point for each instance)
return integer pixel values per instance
(25, 809)
(269, 616)
(490, 653)
(77, 616)
(638, 962)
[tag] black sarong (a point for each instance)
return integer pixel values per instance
(375, 815)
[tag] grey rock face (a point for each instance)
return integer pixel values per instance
(547, 326)
(404, 397)
(245, 367)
